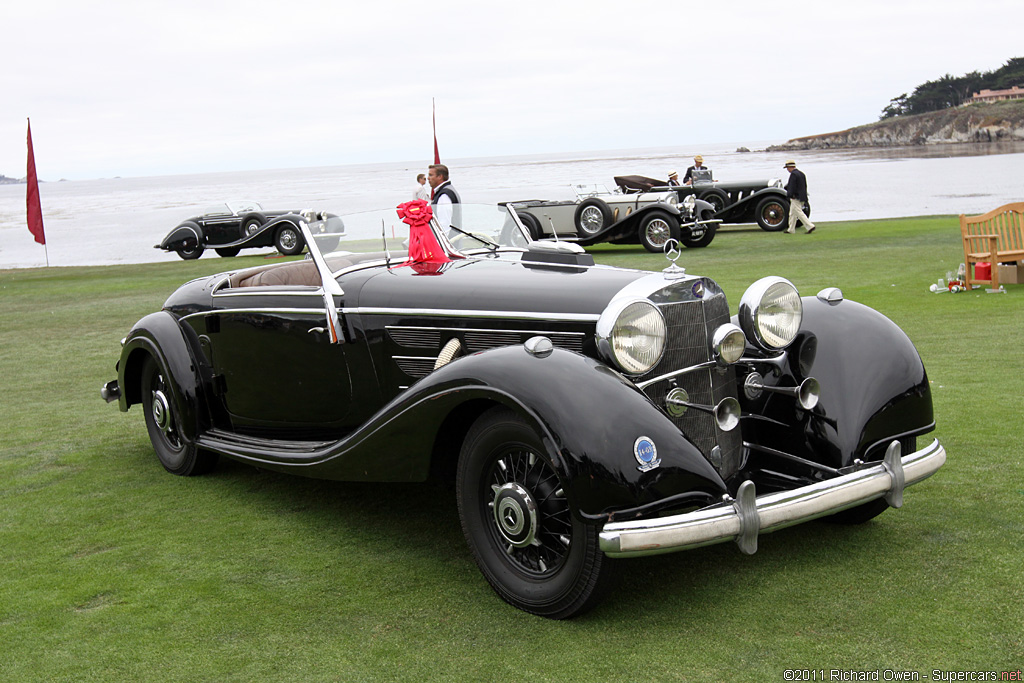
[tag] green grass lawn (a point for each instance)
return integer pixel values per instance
(112, 569)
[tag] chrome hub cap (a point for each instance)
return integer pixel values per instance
(658, 232)
(161, 411)
(528, 514)
(591, 219)
(516, 514)
(289, 239)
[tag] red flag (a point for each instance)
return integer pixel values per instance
(35, 209)
(437, 157)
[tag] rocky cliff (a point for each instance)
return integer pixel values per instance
(987, 122)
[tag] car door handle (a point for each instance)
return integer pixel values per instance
(316, 330)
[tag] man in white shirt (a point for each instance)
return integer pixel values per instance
(421, 191)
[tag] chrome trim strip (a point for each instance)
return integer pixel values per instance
(676, 373)
(270, 311)
(262, 291)
(773, 511)
(460, 313)
(479, 329)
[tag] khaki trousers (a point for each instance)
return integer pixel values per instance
(796, 210)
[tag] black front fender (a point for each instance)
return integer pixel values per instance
(874, 387)
(587, 416)
(744, 210)
(626, 227)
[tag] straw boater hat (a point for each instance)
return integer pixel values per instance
(672, 174)
(699, 158)
(789, 163)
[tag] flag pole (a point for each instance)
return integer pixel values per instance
(433, 116)
(33, 208)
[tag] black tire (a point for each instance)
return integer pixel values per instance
(772, 214)
(288, 240)
(702, 241)
(531, 223)
(163, 422)
(861, 513)
(250, 226)
(716, 198)
(657, 228)
(547, 563)
(190, 249)
(228, 252)
(592, 216)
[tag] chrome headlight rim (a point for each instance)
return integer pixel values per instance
(606, 336)
(755, 319)
(728, 342)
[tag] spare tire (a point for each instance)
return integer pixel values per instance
(592, 216)
(531, 223)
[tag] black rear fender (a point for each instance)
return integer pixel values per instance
(159, 336)
(176, 238)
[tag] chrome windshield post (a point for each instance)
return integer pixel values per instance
(328, 285)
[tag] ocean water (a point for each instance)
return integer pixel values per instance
(118, 220)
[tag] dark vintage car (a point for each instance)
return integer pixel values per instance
(583, 412)
(752, 201)
(232, 226)
(596, 215)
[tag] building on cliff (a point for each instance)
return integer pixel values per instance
(986, 95)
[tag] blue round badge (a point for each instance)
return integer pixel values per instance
(698, 289)
(646, 454)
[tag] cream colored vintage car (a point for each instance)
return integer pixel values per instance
(597, 215)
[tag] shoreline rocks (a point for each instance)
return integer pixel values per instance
(995, 122)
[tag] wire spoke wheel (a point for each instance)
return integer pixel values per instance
(519, 524)
(532, 520)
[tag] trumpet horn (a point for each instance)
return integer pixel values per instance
(806, 395)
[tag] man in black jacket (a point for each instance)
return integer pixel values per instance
(796, 190)
(444, 198)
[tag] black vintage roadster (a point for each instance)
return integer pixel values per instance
(752, 201)
(585, 412)
(235, 225)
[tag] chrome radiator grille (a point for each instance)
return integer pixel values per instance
(690, 326)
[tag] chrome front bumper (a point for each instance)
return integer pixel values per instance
(748, 515)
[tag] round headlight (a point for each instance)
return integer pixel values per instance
(672, 199)
(631, 334)
(770, 313)
(690, 202)
(728, 344)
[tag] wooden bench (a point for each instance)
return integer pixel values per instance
(993, 237)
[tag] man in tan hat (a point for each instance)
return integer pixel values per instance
(698, 170)
(673, 179)
(796, 190)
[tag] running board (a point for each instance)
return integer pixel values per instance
(261, 448)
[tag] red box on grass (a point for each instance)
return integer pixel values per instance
(982, 271)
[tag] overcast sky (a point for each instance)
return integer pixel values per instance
(128, 88)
